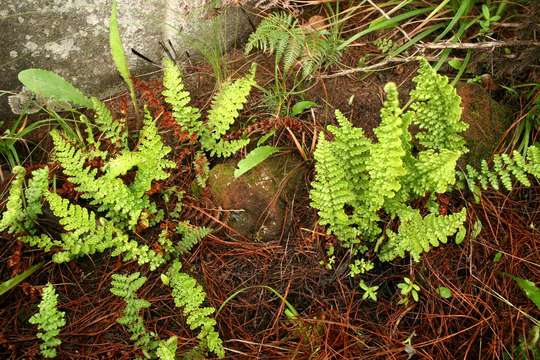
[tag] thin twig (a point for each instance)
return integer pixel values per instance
(480, 45)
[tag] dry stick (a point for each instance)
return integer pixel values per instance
(376, 66)
(480, 45)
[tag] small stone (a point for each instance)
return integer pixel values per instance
(13, 54)
(261, 196)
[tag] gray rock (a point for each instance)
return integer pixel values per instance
(70, 37)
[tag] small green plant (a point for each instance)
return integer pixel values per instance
(49, 321)
(486, 22)
(408, 289)
(225, 109)
(370, 292)
(280, 33)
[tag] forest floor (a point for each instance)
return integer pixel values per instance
(487, 315)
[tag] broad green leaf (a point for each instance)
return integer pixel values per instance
(444, 292)
(118, 55)
(14, 281)
(254, 158)
(485, 11)
(51, 85)
(117, 50)
(302, 106)
(529, 288)
(497, 257)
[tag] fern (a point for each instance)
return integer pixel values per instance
(167, 349)
(225, 109)
(110, 193)
(280, 33)
(505, 169)
(175, 94)
(49, 321)
(126, 287)
(417, 234)
(189, 296)
(121, 202)
(13, 217)
(357, 180)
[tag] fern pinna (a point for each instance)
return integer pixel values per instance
(225, 109)
(357, 178)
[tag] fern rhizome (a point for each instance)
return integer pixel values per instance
(359, 183)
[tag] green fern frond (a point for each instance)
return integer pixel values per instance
(386, 166)
(417, 234)
(189, 296)
(191, 235)
(167, 349)
(175, 94)
(13, 217)
(109, 128)
(108, 192)
(280, 33)
(432, 172)
(41, 241)
(87, 235)
(126, 287)
(49, 321)
(437, 111)
(152, 152)
(37, 186)
(227, 104)
(224, 110)
(505, 169)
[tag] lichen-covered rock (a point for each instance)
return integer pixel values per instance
(258, 200)
(71, 38)
(487, 120)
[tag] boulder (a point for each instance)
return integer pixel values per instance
(258, 201)
(487, 119)
(71, 37)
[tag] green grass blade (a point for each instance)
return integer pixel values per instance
(14, 281)
(380, 24)
(118, 55)
(415, 40)
(462, 11)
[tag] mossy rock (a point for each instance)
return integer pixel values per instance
(258, 200)
(487, 119)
